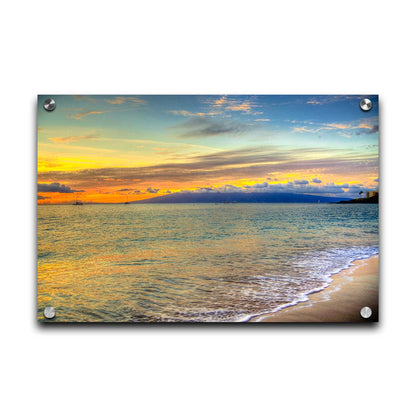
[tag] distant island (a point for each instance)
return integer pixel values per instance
(369, 200)
(241, 197)
(237, 197)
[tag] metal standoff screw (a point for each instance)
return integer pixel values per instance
(366, 312)
(49, 312)
(366, 104)
(49, 104)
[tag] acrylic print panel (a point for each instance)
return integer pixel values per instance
(208, 209)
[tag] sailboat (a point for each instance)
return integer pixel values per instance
(77, 202)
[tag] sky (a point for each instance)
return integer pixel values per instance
(112, 149)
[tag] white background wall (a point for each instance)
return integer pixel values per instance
(206, 47)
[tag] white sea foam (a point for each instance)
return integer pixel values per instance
(321, 266)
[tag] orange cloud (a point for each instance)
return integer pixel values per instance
(233, 105)
(245, 107)
(340, 126)
(123, 100)
(66, 139)
(80, 115)
(365, 126)
(336, 126)
(220, 102)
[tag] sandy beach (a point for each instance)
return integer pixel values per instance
(341, 301)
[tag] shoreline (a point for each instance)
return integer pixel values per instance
(341, 301)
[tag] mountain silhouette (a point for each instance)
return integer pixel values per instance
(234, 197)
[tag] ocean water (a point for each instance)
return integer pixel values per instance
(193, 263)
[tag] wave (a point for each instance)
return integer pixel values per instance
(317, 269)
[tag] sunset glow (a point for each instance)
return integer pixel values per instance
(113, 149)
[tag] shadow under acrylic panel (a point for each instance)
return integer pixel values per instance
(208, 208)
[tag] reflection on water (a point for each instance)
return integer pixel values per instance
(202, 262)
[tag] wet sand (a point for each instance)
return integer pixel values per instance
(341, 301)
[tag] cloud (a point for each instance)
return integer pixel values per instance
(239, 164)
(124, 190)
(301, 182)
(314, 101)
(203, 127)
(366, 126)
(316, 180)
(42, 197)
(243, 107)
(330, 189)
(258, 186)
(326, 99)
(323, 126)
(124, 99)
(228, 188)
(152, 190)
(305, 130)
(67, 139)
(262, 119)
(339, 126)
(374, 129)
(84, 97)
(224, 104)
(56, 187)
(82, 114)
(331, 99)
(221, 101)
(186, 113)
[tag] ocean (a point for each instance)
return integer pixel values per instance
(193, 262)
